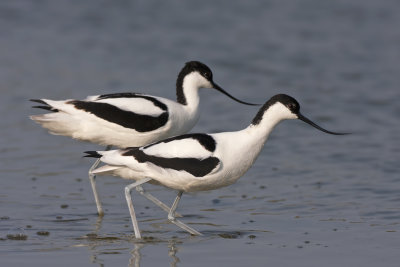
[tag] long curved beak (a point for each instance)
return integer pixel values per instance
(218, 88)
(301, 117)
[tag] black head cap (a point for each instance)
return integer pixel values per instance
(286, 100)
(190, 67)
(294, 107)
(203, 70)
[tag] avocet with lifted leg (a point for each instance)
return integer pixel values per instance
(198, 162)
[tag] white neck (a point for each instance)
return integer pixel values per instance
(191, 92)
(246, 145)
(191, 85)
(271, 118)
(254, 137)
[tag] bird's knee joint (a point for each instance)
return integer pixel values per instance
(140, 189)
(127, 190)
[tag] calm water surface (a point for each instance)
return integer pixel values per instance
(311, 199)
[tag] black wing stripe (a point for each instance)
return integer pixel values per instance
(134, 95)
(46, 108)
(40, 101)
(204, 139)
(196, 167)
(127, 119)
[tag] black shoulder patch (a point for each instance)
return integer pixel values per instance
(204, 139)
(127, 119)
(195, 167)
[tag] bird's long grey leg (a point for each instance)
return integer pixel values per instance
(92, 178)
(171, 216)
(155, 200)
(128, 196)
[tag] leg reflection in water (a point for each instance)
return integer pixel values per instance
(136, 254)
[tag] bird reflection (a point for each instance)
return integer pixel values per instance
(172, 252)
(99, 246)
(136, 255)
(98, 224)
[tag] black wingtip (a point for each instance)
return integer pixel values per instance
(44, 107)
(40, 101)
(92, 154)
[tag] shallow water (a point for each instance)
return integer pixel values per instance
(311, 199)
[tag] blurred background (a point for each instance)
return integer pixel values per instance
(311, 199)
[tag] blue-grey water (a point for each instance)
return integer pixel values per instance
(311, 199)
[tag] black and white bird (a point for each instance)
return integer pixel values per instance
(130, 119)
(198, 161)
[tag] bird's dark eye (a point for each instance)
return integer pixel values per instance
(207, 75)
(292, 106)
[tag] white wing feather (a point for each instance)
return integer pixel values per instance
(183, 148)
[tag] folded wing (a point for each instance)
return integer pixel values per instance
(186, 154)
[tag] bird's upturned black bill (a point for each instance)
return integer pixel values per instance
(217, 87)
(301, 117)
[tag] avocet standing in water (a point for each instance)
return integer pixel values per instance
(130, 119)
(198, 162)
